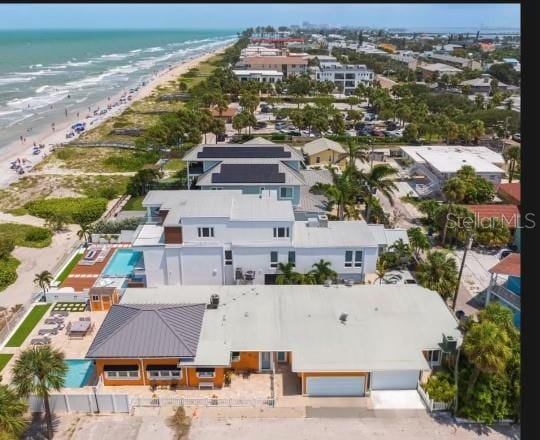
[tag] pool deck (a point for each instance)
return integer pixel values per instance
(83, 277)
(72, 348)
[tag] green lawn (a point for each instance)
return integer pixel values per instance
(26, 235)
(175, 165)
(69, 268)
(8, 271)
(134, 204)
(28, 325)
(4, 359)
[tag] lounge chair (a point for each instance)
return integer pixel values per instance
(40, 341)
(47, 331)
(56, 320)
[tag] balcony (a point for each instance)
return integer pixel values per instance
(506, 295)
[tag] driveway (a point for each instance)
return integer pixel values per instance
(399, 399)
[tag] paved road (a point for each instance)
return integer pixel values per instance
(391, 428)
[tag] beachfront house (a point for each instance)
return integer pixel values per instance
(324, 340)
(227, 237)
(346, 77)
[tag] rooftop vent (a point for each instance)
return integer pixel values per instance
(312, 222)
(343, 318)
(449, 344)
(323, 220)
(214, 302)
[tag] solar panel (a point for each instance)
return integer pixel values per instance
(249, 173)
(261, 152)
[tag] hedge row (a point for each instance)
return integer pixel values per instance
(80, 210)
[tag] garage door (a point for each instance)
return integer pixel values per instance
(335, 386)
(394, 380)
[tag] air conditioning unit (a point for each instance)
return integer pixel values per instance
(239, 275)
(214, 302)
(312, 222)
(449, 344)
(323, 220)
(327, 283)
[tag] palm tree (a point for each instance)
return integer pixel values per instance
(402, 251)
(419, 241)
(322, 271)
(487, 347)
(439, 273)
(38, 370)
(342, 191)
(356, 151)
(287, 274)
(43, 280)
(512, 156)
(84, 233)
(12, 411)
(378, 179)
(454, 192)
(381, 269)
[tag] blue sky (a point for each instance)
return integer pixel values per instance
(232, 16)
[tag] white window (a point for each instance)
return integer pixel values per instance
(206, 372)
(206, 232)
(164, 374)
(273, 259)
(235, 356)
(292, 258)
(348, 258)
(282, 356)
(132, 374)
(281, 232)
(285, 192)
(433, 357)
(358, 259)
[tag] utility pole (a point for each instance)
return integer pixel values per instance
(467, 248)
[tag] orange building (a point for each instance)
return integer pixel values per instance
(334, 341)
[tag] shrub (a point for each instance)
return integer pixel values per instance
(441, 387)
(37, 235)
(108, 193)
(6, 247)
(80, 210)
(116, 226)
(8, 272)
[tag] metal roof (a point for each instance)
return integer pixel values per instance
(336, 234)
(322, 144)
(146, 330)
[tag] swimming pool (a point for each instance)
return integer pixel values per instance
(79, 372)
(122, 263)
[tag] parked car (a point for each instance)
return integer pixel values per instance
(261, 124)
(221, 137)
(266, 109)
(391, 125)
(504, 253)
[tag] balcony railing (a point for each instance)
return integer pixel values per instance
(506, 295)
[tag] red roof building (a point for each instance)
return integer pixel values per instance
(510, 192)
(508, 214)
(510, 265)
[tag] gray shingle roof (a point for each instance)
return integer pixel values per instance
(145, 330)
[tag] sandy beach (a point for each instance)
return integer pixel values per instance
(48, 137)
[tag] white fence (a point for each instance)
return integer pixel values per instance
(64, 403)
(194, 401)
(8, 325)
(431, 404)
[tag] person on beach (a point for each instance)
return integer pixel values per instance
(65, 110)
(21, 138)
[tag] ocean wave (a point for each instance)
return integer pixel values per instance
(38, 101)
(42, 72)
(35, 65)
(9, 112)
(80, 63)
(135, 51)
(154, 49)
(14, 79)
(96, 79)
(115, 56)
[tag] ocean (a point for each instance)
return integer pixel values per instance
(44, 73)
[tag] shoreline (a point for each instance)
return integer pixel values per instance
(24, 151)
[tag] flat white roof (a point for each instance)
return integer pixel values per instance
(453, 162)
(388, 237)
(386, 328)
(417, 153)
(147, 235)
(258, 72)
(336, 234)
(439, 67)
(232, 204)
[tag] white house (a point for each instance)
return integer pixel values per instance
(441, 162)
(269, 76)
(227, 237)
(345, 76)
